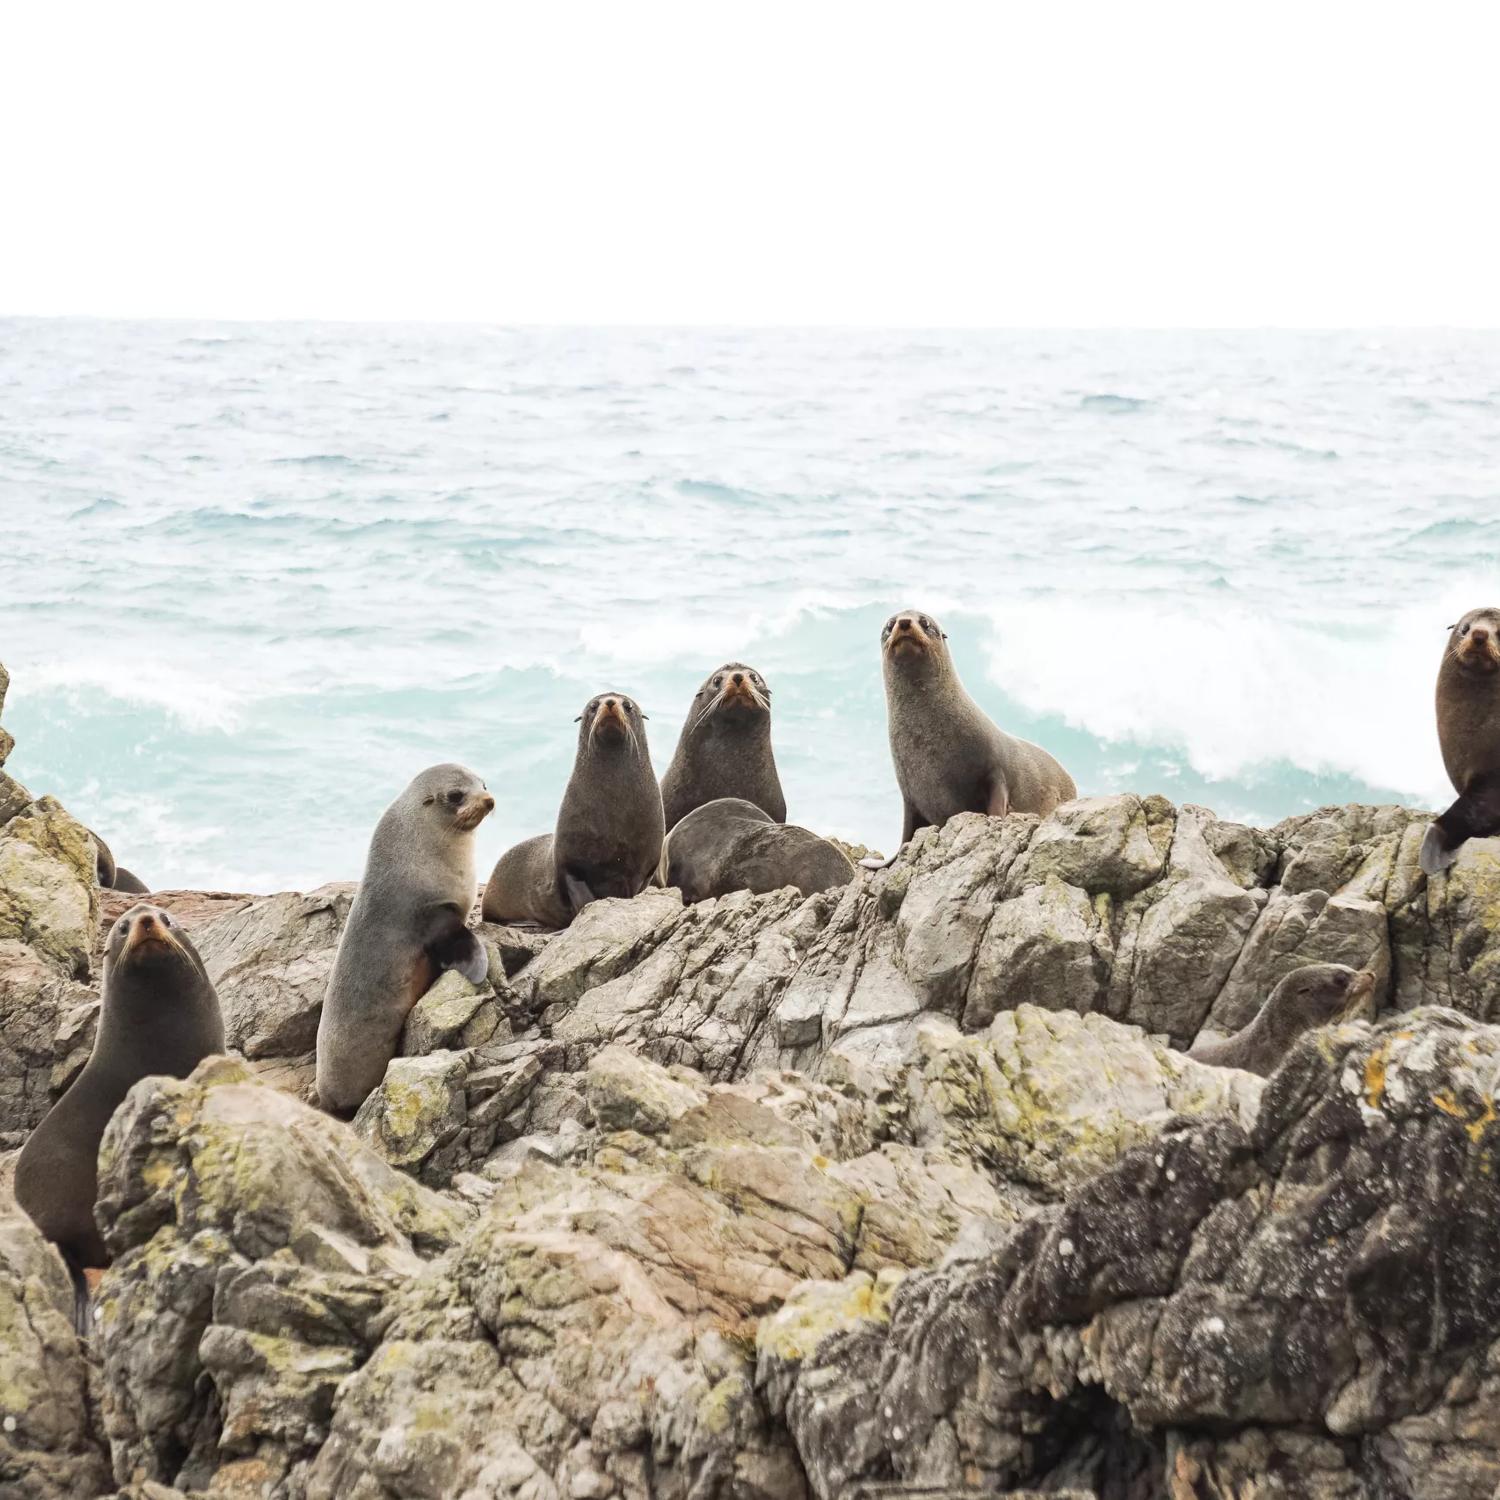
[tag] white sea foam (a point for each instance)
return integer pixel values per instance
(255, 577)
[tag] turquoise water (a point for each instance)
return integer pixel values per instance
(255, 576)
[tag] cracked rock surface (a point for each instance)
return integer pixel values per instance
(905, 1185)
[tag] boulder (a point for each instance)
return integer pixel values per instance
(48, 899)
(49, 1449)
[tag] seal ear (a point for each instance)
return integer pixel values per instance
(579, 719)
(428, 801)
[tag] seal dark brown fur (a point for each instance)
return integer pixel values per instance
(159, 1013)
(609, 828)
(950, 758)
(1314, 995)
(732, 845)
(1468, 717)
(725, 748)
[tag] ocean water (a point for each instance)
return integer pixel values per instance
(253, 577)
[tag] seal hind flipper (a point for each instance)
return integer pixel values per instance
(1475, 815)
(454, 945)
(83, 1304)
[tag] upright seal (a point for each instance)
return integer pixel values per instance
(1468, 717)
(159, 1013)
(950, 758)
(1314, 995)
(408, 923)
(725, 748)
(609, 829)
(732, 845)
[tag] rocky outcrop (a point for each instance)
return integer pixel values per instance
(905, 1185)
(48, 1444)
(1308, 1307)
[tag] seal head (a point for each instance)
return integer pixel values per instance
(725, 747)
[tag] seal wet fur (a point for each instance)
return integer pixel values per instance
(1468, 719)
(608, 837)
(408, 923)
(949, 756)
(724, 749)
(1313, 995)
(159, 1013)
(732, 845)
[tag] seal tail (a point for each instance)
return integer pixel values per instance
(1476, 815)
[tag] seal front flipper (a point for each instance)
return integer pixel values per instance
(1475, 815)
(453, 945)
(576, 893)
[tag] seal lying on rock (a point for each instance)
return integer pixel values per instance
(1468, 715)
(159, 1013)
(949, 757)
(732, 845)
(114, 877)
(725, 748)
(408, 923)
(609, 829)
(1314, 995)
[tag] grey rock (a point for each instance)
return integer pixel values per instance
(270, 963)
(49, 1449)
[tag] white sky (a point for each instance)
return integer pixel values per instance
(1006, 164)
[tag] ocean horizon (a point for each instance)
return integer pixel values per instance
(258, 575)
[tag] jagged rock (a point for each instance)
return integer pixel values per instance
(510, 948)
(192, 910)
(14, 797)
(40, 1009)
(255, 1242)
(7, 740)
(1330, 1265)
(899, 1184)
(48, 899)
(48, 1448)
(419, 1106)
(1052, 1098)
(453, 1015)
(270, 962)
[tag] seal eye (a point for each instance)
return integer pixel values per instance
(718, 682)
(455, 797)
(1464, 628)
(926, 625)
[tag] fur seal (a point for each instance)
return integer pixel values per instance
(408, 923)
(159, 1013)
(1468, 717)
(1314, 995)
(111, 876)
(950, 758)
(725, 748)
(609, 828)
(732, 845)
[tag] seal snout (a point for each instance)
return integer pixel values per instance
(150, 927)
(474, 810)
(908, 634)
(1478, 643)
